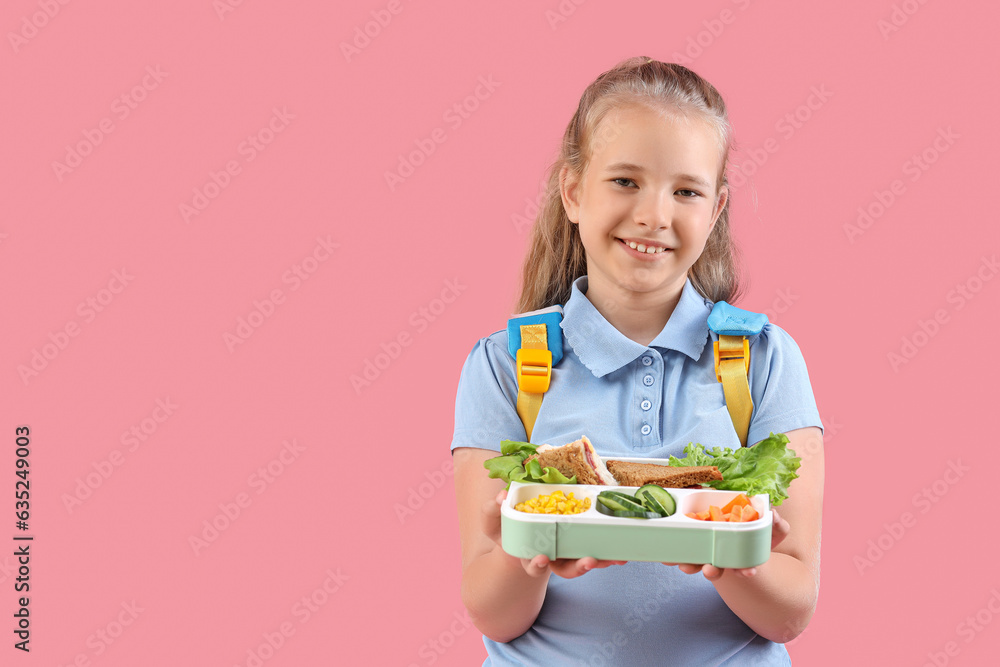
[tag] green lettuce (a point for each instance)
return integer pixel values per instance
(510, 466)
(767, 467)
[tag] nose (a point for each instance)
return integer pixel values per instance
(655, 211)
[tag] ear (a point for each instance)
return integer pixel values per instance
(720, 203)
(569, 189)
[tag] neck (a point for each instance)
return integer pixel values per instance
(639, 317)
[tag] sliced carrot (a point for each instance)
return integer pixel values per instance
(692, 515)
(740, 500)
(749, 514)
(714, 513)
(737, 513)
(704, 516)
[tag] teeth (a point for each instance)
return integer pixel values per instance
(641, 247)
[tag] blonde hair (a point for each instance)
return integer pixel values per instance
(556, 256)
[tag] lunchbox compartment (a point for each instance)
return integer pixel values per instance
(699, 501)
(524, 492)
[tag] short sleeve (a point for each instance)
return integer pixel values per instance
(779, 384)
(485, 405)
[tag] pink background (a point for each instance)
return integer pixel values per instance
(423, 269)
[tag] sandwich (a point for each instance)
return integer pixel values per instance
(577, 458)
(628, 473)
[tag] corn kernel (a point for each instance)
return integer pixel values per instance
(554, 503)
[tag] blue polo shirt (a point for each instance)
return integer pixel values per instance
(635, 400)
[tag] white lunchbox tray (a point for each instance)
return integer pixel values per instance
(674, 539)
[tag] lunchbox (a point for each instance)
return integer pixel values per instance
(673, 539)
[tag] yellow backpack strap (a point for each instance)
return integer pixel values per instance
(535, 342)
(732, 360)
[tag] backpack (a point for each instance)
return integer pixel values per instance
(535, 341)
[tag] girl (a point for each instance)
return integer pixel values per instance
(634, 242)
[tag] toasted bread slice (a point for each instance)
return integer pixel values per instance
(629, 473)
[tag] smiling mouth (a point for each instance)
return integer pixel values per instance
(641, 247)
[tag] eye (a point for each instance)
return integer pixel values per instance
(624, 182)
(689, 193)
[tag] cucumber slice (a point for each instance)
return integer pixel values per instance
(620, 501)
(610, 503)
(661, 496)
(624, 514)
(650, 502)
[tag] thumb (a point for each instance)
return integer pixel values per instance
(491, 516)
(779, 530)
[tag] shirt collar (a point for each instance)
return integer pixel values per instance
(604, 349)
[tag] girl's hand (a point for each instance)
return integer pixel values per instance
(567, 568)
(540, 565)
(779, 531)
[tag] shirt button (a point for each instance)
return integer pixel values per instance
(646, 428)
(647, 361)
(648, 380)
(645, 405)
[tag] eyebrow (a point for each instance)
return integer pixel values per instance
(628, 166)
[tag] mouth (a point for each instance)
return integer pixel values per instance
(643, 246)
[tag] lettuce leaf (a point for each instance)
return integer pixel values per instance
(510, 467)
(767, 467)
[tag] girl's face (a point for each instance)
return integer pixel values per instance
(647, 203)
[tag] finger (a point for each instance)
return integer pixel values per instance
(537, 566)
(491, 519)
(570, 569)
(689, 568)
(711, 572)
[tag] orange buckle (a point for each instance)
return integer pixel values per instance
(725, 355)
(534, 370)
